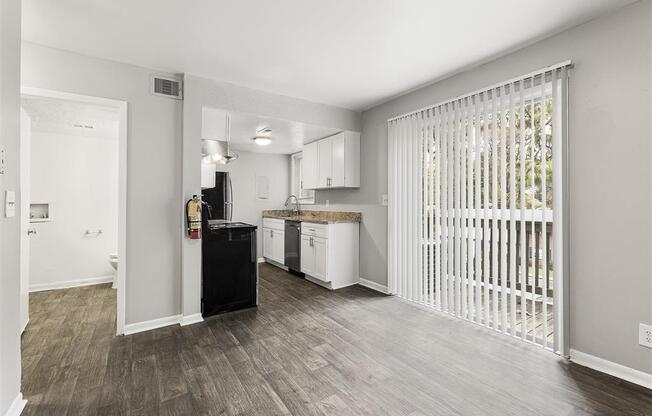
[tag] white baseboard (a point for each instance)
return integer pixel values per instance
(604, 366)
(373, 285)
(261, 259)
(71, 283)
(152, 324)
(17, 406)
(191, 319)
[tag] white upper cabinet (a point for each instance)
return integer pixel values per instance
(213, 123)
(325, 163)
(207, 175)
(338, 160)
(333, 162)
(310, 166)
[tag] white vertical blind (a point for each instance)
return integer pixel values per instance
(474, 206)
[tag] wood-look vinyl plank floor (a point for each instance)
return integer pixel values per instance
(303, 351)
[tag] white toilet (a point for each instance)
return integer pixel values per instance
(113, 260)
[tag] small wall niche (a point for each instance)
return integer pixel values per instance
(40, 212)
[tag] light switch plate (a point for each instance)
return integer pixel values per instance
(645, 335)
(2, 160)
(384, 200)
(10, 204)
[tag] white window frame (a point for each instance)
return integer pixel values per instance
(305, 196)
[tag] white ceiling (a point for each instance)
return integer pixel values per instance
(351, 54)
(72, 118)
(287, 136)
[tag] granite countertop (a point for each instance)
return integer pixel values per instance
(320, 217)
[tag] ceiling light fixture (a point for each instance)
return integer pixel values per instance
(262, 140)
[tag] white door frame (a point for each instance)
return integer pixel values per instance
(121, 106)
(25, 152)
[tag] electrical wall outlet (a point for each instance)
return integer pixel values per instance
(2, 160)
(645, 335)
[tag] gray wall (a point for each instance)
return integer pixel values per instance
(156, 153)
(610, 137)
(78, 175)
(204, 92)
(9, 227)
(153, 169)
(609, 173)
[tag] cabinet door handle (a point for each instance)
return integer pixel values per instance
(271, 233)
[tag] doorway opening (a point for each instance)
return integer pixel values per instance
(73, 187)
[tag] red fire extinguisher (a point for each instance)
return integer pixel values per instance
(193, 217)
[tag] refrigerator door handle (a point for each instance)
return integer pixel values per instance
(230, 200)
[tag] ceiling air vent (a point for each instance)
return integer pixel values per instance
(167, 87)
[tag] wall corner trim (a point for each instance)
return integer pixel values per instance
(191, 319)
(152, 324)
(373, 285)
(161, 322)
(609, 367)
(17, 406)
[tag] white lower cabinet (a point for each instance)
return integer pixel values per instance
(321, 259)
(314, 257)
(329, 253)
(268, 249)
(278, 246)
(274, 240)
(307, 255)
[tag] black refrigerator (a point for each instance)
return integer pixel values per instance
(219, 200)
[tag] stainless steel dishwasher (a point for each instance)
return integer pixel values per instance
(293, 246)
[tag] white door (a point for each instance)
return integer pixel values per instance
(320, 246)
(310, 166)
(268, 244)
(325, 157)
(337, 156)
(278, 242)
(307, 256)
(25, 152)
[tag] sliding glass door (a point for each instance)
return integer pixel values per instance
(476, 213)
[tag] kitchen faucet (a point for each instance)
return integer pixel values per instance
(296, 210)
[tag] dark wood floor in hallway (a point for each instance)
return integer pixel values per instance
(304, 351)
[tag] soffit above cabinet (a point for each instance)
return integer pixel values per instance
(287, 136)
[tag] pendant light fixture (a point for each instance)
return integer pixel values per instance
(228, 156)
(219, 151)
